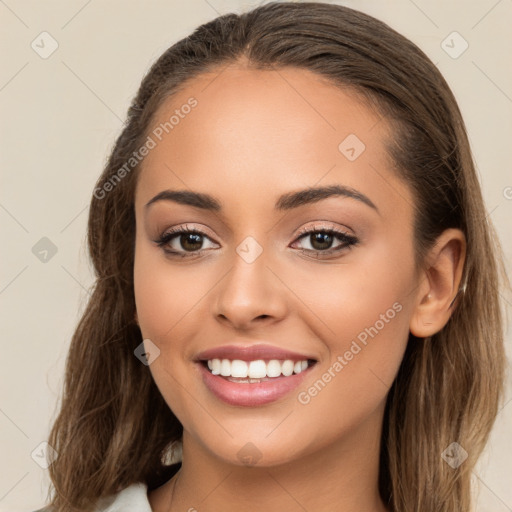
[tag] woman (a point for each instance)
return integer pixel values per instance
(296, 280)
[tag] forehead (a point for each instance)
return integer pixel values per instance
(247, 130)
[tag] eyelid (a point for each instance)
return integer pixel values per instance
(347, 240)
(188, 227)
(302, 231)
(320, 225)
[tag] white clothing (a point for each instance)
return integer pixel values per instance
(133, 498)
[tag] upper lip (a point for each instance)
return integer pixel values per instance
(251, 353)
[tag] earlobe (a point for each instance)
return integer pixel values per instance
(441, 284)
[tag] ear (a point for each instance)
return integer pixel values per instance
(440, 281)
(136, 318)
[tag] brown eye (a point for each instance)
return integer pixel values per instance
(321, 241)
(183, 242)
(191, 241)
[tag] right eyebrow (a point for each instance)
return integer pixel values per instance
(186, 197)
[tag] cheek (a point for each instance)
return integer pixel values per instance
(164, 294)
(167, 301)
(368, 328)
(152, 297)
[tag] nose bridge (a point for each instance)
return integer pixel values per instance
(249, 290)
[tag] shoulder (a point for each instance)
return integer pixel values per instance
(133, 498)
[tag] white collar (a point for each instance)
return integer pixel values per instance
(133, 498)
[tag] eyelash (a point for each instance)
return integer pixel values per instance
(348, 241)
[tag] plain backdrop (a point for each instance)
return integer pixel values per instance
(60, 116)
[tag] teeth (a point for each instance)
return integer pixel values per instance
(257, 369)
(225, 368)
(274, 368)
(287, 368)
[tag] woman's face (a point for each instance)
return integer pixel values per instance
(266, 268)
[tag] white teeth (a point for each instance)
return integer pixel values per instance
(257, 369)
(287, 368)
(274, 368)
(215, 366)
(238, 368)
(225, 368)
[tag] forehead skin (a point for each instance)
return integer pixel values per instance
(255, 134)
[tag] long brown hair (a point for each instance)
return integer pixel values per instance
(113, 427)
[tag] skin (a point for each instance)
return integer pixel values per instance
(253, 136)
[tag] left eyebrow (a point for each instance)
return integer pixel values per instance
(286, 201)
(312, 195)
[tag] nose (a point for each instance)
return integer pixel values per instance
(250, 295)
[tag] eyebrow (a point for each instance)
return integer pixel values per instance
(286, 201)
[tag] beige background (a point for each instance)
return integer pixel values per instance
(59, 119)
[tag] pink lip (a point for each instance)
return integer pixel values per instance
(247, 394)
(251, 353)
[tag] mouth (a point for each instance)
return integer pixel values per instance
(254, 382)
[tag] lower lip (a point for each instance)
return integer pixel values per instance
(247, 394)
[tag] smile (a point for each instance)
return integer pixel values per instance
(253, 383)
(252, 375)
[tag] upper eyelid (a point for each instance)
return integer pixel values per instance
(324, 227)
(302, 231)
(180, 228)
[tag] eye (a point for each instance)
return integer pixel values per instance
(182, 240)
(321, 239)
